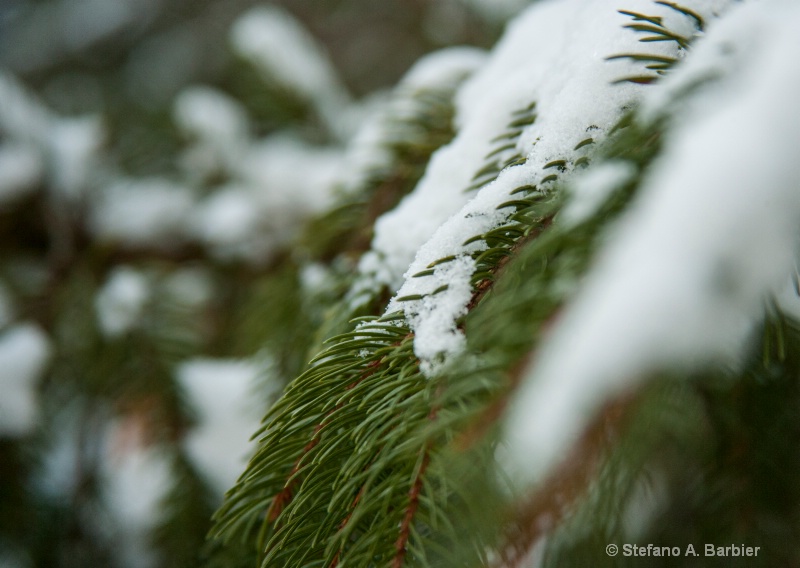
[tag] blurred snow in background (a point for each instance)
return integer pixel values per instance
(229, 405)
(157, 159)
(24, 353)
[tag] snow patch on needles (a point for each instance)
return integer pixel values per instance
(286, 54)
(24, 352)
(138, 477)
(435, 316)
(230, 223)
(74, 145)
(273, 192)
(553, 55)
(145, 212)
(68, 146)
(21, 169)
(22, 116)
(439, 74)
(278, 167)
(441, 70)
(592, 188)
(218, 125)
(221, 391)
(688, 269)
(121, 301)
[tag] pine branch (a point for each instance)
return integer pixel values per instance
(655, 26)
(358, 455)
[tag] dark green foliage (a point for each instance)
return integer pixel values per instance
(182, 530)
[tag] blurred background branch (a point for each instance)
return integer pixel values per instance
(154, 177)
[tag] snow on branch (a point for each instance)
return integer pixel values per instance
(288, 56)
(550, 94)
(39, 142)
(713, 233)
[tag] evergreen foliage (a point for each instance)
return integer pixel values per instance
(376, 457)
(371, 454)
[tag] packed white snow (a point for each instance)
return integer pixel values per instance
(591, 188)
(24, 353)
(438, 74)
(555, 54)
(690, 266)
